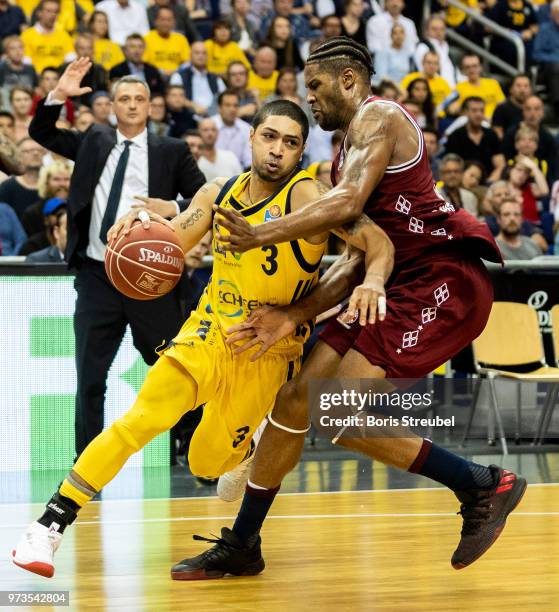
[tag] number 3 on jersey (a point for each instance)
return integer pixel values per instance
(271, 266)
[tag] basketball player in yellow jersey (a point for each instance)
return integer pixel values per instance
(198, 367)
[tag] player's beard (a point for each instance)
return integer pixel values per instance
(331, 120)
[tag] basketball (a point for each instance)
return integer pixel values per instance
(146, 263)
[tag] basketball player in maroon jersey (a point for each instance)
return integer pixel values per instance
(438, 300)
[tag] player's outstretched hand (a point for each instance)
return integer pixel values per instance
(265, 326)
(157, 205)
(366, 300)
(242, 235)
(124, 224)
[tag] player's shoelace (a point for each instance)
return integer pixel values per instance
(475, 513)
(217, 552)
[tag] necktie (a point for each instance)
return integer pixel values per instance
(114, 194)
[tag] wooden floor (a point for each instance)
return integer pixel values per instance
(358, 551)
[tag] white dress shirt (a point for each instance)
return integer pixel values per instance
(379, 29)
(234, 138)
(124, 21)
(135, 183)
(225, 164)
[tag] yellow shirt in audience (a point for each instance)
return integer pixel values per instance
(265, 86)
(166, 53)
(67, 17)
(46, 50)
(107, 53)
(455, 17)
(438, 86)
(220, 56)
(488, 89)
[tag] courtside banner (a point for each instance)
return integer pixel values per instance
(367, 408)
(38, 378)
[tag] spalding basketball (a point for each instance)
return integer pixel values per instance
(146, 263)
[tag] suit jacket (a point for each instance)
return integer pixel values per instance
(153, 76)
(49, 255)
(172, 169)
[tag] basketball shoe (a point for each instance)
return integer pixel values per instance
(35, 549)
(484, 513)
(228, 556)
(232, 484)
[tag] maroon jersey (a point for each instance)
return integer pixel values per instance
(408, 207)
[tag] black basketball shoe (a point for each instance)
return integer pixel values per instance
(485, 513)
(228, 556)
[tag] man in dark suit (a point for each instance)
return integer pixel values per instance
(135, 66)
(112, 169)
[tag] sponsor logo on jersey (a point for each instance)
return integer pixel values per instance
(274, 212)
(232, 303)
(164, 258)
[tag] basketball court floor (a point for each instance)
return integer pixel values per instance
(346, 534)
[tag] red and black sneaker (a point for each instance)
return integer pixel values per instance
(485, 513)
(228, 556)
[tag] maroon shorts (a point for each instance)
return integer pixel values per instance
(434, 309)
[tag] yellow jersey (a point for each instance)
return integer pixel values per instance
(488, 90)
(266, 86)
(438, 86)
(220, 56)
(455, 17)
(46, 50)
(276, 274)
(107, 53)
(67, 19)
(166, 53)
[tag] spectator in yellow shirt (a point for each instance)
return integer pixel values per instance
(488, 90)
(71, 12)
(165, 49)
(264, 76)
(45, 43)
(461, 22)
(438, 86)
(107, 52)
(222, 50)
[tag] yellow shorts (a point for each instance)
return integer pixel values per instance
(237, 393)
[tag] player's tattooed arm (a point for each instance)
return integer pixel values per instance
(196, 220)
(190, 225)
(372, 135)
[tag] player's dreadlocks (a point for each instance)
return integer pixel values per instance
(340, 52)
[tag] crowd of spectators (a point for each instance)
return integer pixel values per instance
(210, 64)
